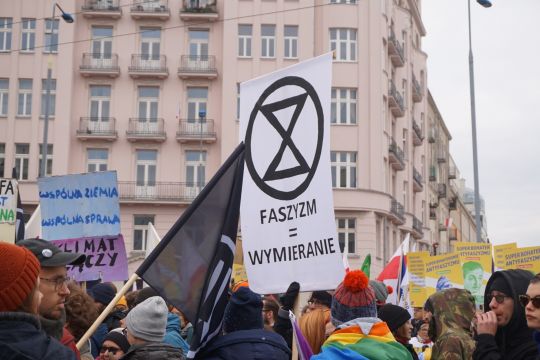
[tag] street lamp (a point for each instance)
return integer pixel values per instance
(69, 19)
(486, 4)
(202, 115)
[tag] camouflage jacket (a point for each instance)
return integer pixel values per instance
(450, 327)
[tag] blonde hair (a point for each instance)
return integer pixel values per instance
(313, 326)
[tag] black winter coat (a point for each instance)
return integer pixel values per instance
(153, 351)
(246, 344)
(22, 339)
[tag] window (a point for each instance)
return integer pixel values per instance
(48, 165)
(2, 159)
(343, 42)
(198, 44)
(51, 36)
(150, 45)
(28, 35)
(4, 96)
(148, 102)
(343, 169)
(52, 101)
(24, 107)
(195, 171)
(346, 228)
(5, 33)
(101, 45)
(100, 103)
(291, 41)
(146, 168)
(96, 160)
(140, 230)
(378, 238)
(22, 157)
(244, 40)
(343, 107)
(268, 41)
(197, 101)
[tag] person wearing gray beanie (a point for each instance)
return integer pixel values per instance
(145, 326)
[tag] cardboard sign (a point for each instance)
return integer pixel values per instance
(8, 209)
(527, 258)
(443, 272)
(76, 206)
(498, 254)
(288, 224)
(106, 258)
(476, 261)
(417, 277)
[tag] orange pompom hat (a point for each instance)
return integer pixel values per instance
(353, 298)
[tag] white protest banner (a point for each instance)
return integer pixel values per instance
(287, 212)
(8, 209)
(82, 205)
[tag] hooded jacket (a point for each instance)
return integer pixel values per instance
(450, 327)
(515, 340)
(172, 333)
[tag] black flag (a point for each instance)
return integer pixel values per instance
(19, 225)
(191, 267)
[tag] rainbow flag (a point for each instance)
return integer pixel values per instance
(363, 339)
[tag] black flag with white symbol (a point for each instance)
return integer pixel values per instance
(19, 225)
(191, 267)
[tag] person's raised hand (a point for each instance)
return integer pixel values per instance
(487, 323)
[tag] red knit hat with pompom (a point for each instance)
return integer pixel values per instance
(353, 298)
(19, 270)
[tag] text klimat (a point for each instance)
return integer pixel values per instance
(289, 212)
(292, 252)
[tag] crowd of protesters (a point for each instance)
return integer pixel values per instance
(43, 315)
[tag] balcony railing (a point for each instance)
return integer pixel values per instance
(416, 90)
(396, 156)
(395, 100)
(418, 135)
(452, 172)
(441, 190)
(97, 128)
(197, 66)
(150, 9)
(146, 129)
(417, 225)
(102, 8)
(99, 64)
(199, 10)
(418, 184)
(177, 192)
(148, 65)
(397, 209)
(395, 50)
(432, 213)
(196, 130)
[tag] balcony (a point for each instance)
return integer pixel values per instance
(149, 66)
(452, 203)
(432, 213)
(395, 50)
(418, 183)
(108, 9)
(193, 130)
(395, 101)
(197, 67)
(143, 129)
(97, 128)
(418, 135)
(96, 64)
(199, 10)
(397, 210)
(150, 10)
(452, 234)
(416, 90)
(452, 172)
(166, 192)
(441, 190)
(418, 227)
(396, 156)
(432, 135)
(441, 155)
(432, 173)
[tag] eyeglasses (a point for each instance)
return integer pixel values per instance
(110, 349)
(498, 298)
(524, 300)
(58, 282)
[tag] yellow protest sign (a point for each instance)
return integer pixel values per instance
(498, 254)
(476, 261)
(527, 258)
(239, 273)
(8, 209)
(443, 272)
(417, 279)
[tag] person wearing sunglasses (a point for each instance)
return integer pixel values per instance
(114, 346)
(502, 331)
(531, 303)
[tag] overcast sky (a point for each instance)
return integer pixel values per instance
(506, 47)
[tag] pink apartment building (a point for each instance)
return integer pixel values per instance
(149, 88)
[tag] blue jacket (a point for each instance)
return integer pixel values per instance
(172, 333)
(96, 340)
(21, 339)
(248, 344)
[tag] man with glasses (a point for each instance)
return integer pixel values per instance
(53, 285)
(502, 331)
(531, 303)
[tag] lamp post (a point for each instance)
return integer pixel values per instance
(202, 115)
(486, 4)
(69, 19)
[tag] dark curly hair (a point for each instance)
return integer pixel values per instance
(81, 311)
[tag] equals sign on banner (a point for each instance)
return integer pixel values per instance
(292, 232)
